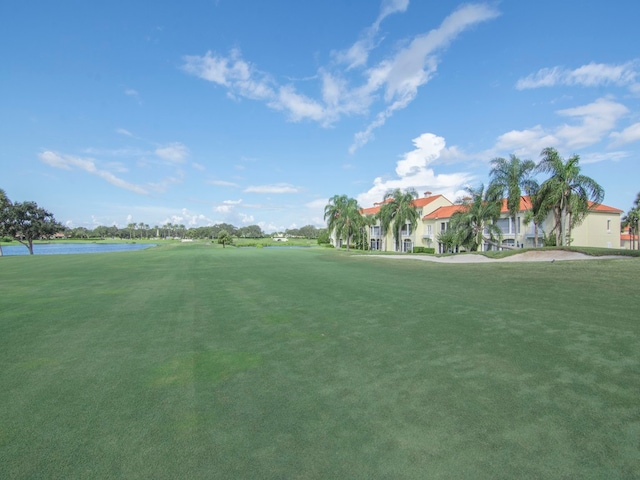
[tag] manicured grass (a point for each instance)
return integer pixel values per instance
(194, 361)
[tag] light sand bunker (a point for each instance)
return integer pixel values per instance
(529, 256)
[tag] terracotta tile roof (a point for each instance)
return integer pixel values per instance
(525, 204)
(603, 208)
(421, 202)
(369, 211)
(627, 237)
(443, 212)
(418, 202)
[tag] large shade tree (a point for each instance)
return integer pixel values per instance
(397, 211)
(570, 193)
(475, 222)
(26, 222)
(342, 215)
(511, 179)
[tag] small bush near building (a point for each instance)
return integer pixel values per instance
(428, 250)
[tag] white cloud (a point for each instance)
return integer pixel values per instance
(398, 77)
(185, 217)
(198, 166)
(318, 203)
(628, 135)
(358, 54)
(597, 119)
(174, 152)
(590, 75)
(593, 122)
(69, 162)
(130, 92)
(223, 208)
(415, 65)
(223, 183)
(232, 202)
(274, 188)
(125, 132)
(413, 172)
(246, 218)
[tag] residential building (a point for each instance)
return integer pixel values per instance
(600, 228)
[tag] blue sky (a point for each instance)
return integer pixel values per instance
(256, 112)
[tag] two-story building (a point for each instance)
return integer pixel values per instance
(600, 228)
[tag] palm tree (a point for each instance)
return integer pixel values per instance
(365, 222)
(342, 215)
(567, 191)
(632, 221)
(397, 211)
(509, 178)
(537, 213)
(477, 216)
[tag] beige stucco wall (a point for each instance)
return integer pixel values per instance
(599, 229)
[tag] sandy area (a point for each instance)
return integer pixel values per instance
(529, 256)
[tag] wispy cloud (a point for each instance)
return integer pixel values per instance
(358, 54)
(124, 132)
(591, 124)
(628, 135)
(130, 92)
(590, 75)
(175, 152)
(413, 66)
(223, 183)
(274, 188)
(394, 81)
(69, 162)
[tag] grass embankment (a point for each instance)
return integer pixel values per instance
(194, 361)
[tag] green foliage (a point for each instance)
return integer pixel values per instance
(342, 215)
(324, 238)
(398, 211)
(567, 192)
(224, 238)
(477, 216)
(424, 250)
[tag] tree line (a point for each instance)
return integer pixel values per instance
(26, 222)
(566, 193)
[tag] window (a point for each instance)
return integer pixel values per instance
(504, 225)
(428, 229)
(375, 230)
(406, 230)
(608, 226)
(443, 227)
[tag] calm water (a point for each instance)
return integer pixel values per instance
(73, 248)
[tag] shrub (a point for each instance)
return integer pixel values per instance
(428, 250)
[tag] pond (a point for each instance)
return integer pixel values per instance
(74, 248)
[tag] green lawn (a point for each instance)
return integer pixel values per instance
(193, 361)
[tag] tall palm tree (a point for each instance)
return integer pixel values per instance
(397, 211)
(537, 213)
(631, 220)
(568, 191)
(365, 222)
(342, 215)
(476, 218)
(510, 178)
